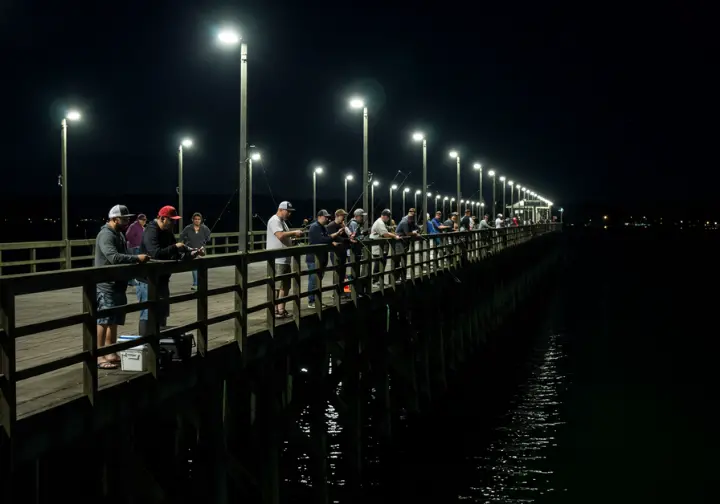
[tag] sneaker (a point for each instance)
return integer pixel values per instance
(193, 288)
(311, 305)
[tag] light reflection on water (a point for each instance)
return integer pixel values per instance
(515, 468)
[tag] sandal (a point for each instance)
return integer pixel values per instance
(107, 365)
(283, 315)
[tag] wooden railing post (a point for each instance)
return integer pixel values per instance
(90, 367)
(153, 325)
(68, 255)
(241, 304)
(202, 308)
(8, 402)
(270, 310)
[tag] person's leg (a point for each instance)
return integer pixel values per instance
(194, 277)
(101, 341)
(111, 339)
(141, 291)
(284, 288)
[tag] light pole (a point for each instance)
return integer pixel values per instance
(502, 179)
(357, 103)
(561, 210)
(512, 197)
(454, 154)
(71, 115)
(232, 38)
(444, 200)
(372, 199)
(392, 188)
(186, 143)
(482, 210)
(437, 197)
(255, 156)
(418, 137)
(416, 207)
(315, 174)
(347, 177)
(462, 206)
(406, 190)
(478, 167)
(494, 200)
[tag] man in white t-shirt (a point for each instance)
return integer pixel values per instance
(379, 230)
(499, 222)
(279, 236)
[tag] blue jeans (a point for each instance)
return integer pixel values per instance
(163, 309)
(312, 283)
(194, 273)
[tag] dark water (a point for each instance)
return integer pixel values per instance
(610, 397)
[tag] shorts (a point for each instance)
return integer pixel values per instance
(111, 300)
(284, 284)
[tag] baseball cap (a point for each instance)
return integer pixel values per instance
(412, 210)
(119, 211)
(340, 212)
(286, 205)
(169, 212)
(142, 216)
(386, 213)
(454, 214)
(323, 213)
(359, 211)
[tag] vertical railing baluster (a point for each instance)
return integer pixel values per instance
(90, 366)
(153, 325)
(296, 281)
(8, 399)
(270, 310)
(202, 308)
(241, 304)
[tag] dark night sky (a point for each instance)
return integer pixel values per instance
(583, 104)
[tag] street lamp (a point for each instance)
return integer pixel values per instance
(437, 196)
(347, 177)
(478, 167)
(494, 200)
(416, 195)
(392, 188)
(444, 200)
(454, 154)
(561, 210)
(502, 179)
(230, 38)
(317, 171)
(358, 103)
(512, 197)
(255, 156)
(372, 199)
(406, 190)
(417, 136)
(71, 115)
(186, 143)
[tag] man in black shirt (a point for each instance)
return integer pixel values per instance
(159, 243)
(342, 240)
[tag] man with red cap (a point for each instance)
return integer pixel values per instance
(159, 243)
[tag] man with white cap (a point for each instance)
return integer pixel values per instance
(110, 249)
(279, 236)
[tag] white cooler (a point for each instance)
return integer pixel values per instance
(133, 359)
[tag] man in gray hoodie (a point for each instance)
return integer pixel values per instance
(111, 248)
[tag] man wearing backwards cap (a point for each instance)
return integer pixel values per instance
(111, 248)
(160, 244)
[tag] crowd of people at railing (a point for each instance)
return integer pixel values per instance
(122, 242)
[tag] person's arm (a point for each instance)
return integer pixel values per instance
(151, 241)
(106, 242)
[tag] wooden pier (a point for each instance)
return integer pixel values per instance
(250, 376)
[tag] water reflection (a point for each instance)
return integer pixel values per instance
(516, 467)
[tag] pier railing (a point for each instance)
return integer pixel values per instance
(393, 264)
(32, 257)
